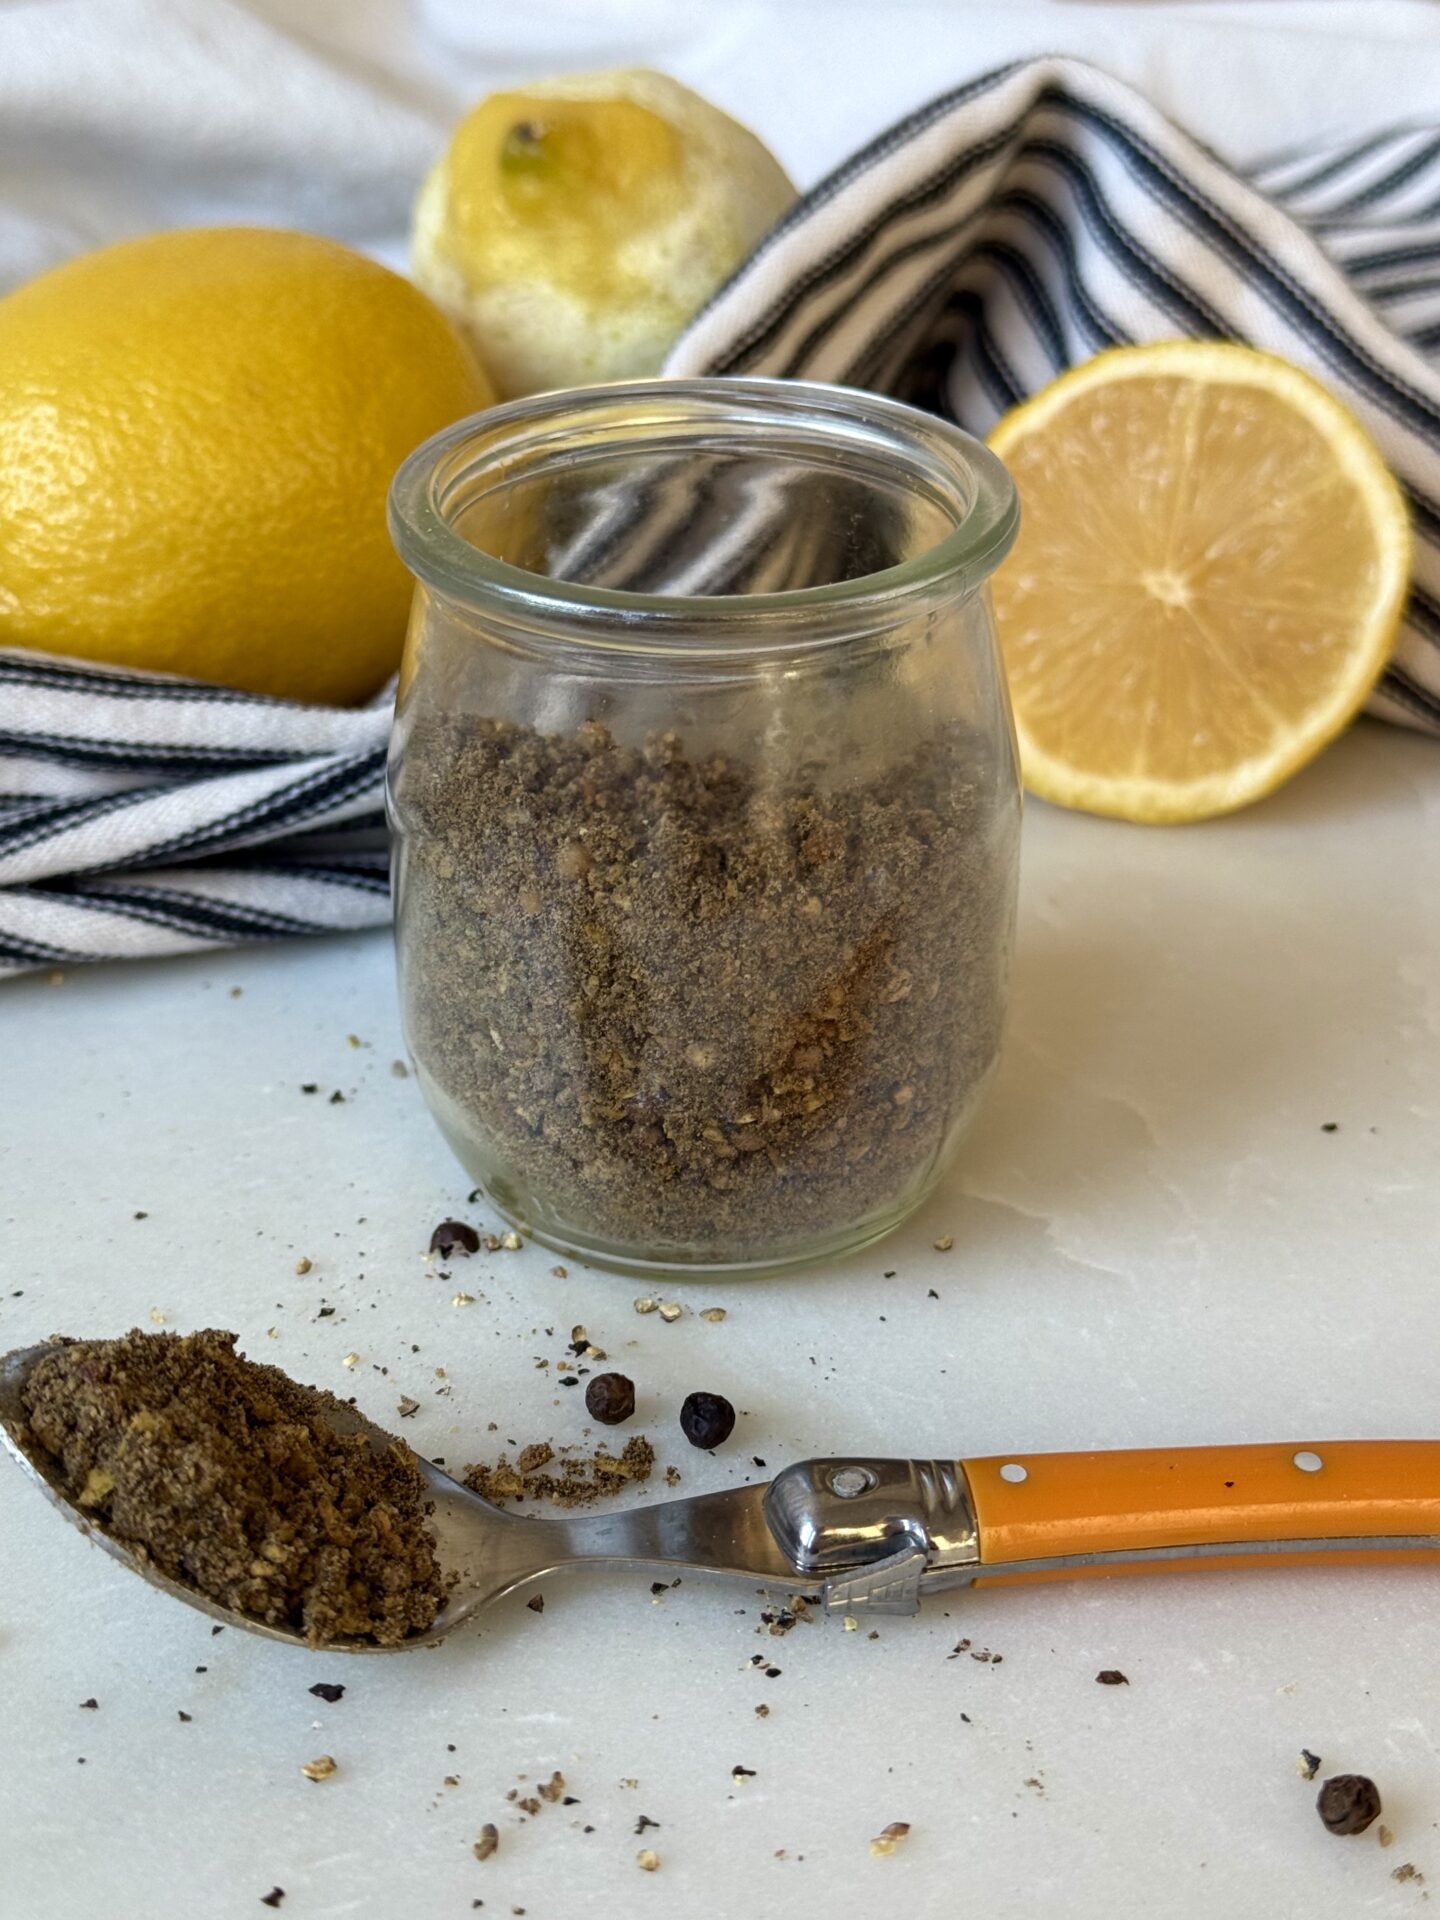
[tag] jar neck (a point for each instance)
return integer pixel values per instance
(703, 521)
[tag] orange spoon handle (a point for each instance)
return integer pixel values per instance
(1059, 1515)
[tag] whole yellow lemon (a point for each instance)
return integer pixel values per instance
(197, 435)
(574, 227)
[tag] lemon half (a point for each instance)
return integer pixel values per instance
(1211, 567)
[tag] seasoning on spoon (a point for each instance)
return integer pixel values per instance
(230, 1478)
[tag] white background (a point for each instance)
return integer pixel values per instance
(1155, 1243)
(121, 115)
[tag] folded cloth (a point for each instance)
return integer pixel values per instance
(141, 814)
(1009, 229)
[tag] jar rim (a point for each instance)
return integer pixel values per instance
(442, 558)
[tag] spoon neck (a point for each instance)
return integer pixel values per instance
(712, 1532)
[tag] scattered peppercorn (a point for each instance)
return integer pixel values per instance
(1112, 1677)
(487, 1843)
(1309, 1764)
(707, 1420)
(273, 1897)
(610, 1399)
(1348, 1803)
(328, 1690)
(93, 1703)
(453, 1236)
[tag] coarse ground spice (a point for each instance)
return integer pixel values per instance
(228, 1476)
(579, 1480)
(692, 1004)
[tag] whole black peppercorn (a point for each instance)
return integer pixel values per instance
(707, 1420)
(1348, 1803)
(453, 1236)
(610, 1398)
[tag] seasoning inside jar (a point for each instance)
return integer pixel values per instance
(708, 966)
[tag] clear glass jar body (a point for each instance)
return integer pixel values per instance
(706, 813)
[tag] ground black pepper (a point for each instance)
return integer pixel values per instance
(691, 1004)
(228, 1475)
(577, 1481)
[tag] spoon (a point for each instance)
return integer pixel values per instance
(872, 1535)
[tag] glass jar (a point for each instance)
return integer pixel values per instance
(706, 812)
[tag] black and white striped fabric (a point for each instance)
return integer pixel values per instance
(1011, 228)
(1034, 217)
(143, 815)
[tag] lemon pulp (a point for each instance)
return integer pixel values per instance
(1210, 571)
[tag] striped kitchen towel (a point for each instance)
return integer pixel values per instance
(1009, 229)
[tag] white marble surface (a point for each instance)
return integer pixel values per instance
(1155, 1243)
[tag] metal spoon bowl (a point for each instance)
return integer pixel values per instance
(491, 1553)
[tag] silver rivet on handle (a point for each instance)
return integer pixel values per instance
(848, 1482)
